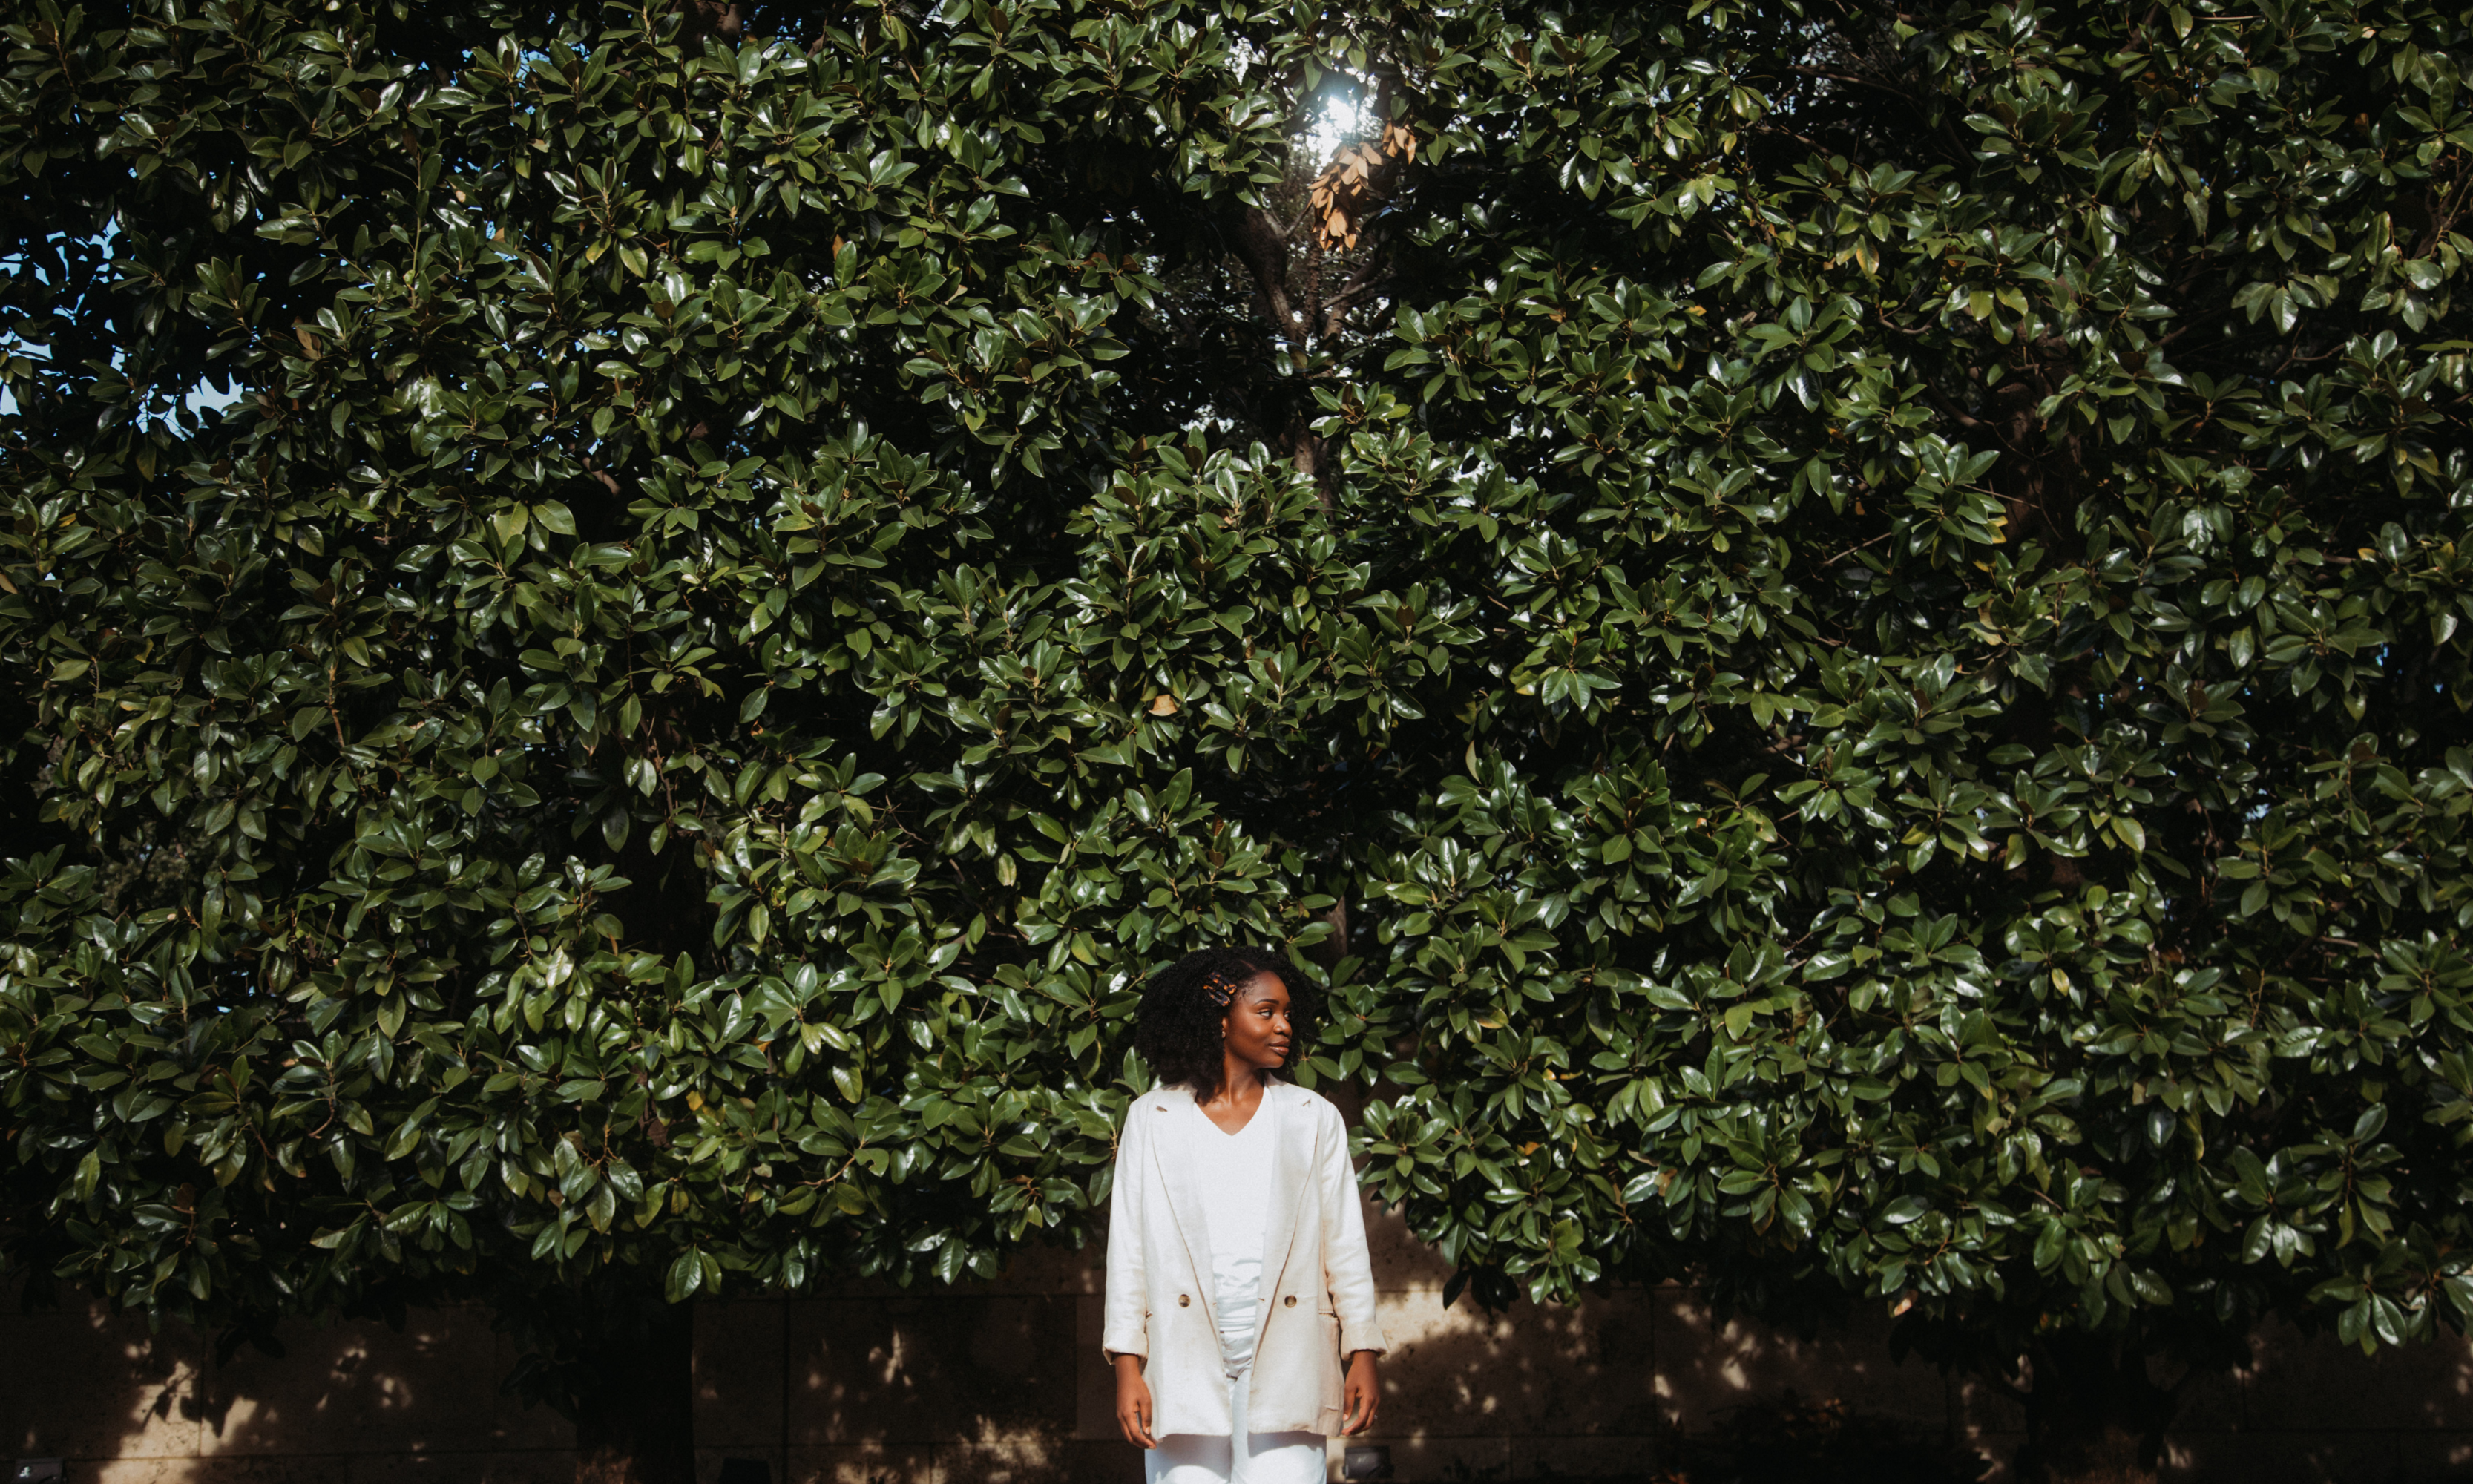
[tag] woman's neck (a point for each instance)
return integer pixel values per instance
(1240, 1085)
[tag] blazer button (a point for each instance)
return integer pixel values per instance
(1185, 1301)
(1293, 1300)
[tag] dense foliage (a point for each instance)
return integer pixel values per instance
(1843, 626)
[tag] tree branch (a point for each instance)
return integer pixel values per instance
(1265, 252)
(1370, 278)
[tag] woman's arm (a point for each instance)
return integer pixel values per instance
(1126, 1332)
(1348, 1268)
(1348, 1271)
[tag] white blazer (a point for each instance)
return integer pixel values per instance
(1317, 1296)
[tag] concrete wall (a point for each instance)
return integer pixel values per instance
(1002, 1384)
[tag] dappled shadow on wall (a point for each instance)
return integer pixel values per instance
(976, 1386)
(1003, 1384)
(1650, 1385)
(1633, 1384)
(356, 1401)
(2311, 1411)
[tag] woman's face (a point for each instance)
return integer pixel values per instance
(1256, 1022)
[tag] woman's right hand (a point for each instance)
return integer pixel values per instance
(1134, 1402)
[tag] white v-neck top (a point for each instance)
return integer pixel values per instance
(1234, 1172)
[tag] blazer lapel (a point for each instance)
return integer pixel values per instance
(1174, 1153)
(1291, 1168)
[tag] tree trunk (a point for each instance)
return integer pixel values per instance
(637, 1425)
(2093, 1416)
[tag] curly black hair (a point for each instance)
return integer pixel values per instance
(1177, 1029)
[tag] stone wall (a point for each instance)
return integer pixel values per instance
(1002, 1384)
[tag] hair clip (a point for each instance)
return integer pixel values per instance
(1221, 989)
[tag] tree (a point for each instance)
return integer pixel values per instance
(641, 805)
(1842, 626)
(1970, 818)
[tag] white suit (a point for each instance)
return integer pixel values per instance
(1316, 1303)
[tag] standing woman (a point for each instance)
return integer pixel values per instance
(1238, 1275)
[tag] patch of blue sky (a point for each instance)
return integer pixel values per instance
(206, 396)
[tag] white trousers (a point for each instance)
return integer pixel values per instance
(1241, 1457)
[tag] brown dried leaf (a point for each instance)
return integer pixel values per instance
(1356, 178)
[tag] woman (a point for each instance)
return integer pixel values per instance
(1237, 1274)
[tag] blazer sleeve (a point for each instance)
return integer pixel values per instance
(1126, 1327)
(1347, 1267)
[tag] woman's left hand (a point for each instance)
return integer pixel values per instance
(1364, 1394)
